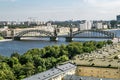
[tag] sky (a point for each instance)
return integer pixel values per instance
(60, 10)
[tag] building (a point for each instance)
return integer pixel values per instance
(97, 24)
(118, 17)
(105, 26)
(85, 25)
(56, 73)
(100, 25)
(4, 23)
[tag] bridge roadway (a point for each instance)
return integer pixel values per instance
(102, 37)
(54, 35)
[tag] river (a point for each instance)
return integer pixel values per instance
(9, 47)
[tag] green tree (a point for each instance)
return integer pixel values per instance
(12, 61)
(40, 69)
(6, 72)
(63, 58)
(17, 69)
(26, 58)
(109, 42)
(17, 55)
(100, 44)
(28, 69)
(38, 61)
(74, 48)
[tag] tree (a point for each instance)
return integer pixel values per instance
(63, 58)
(33, 52)
(12, 61)
(87, 49)
(17, 69)
(6, 72)
(109, 42)
(2, 59)
(26, 58)
(42, 52)
(48, 63)
(74, 48)
(38, 61)
(52, 51)
(63, 52)
(28, 69)
(100, 44)
(40, 69)
(17, 55)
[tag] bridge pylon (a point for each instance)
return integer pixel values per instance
(16, 38)
(54, 38)
(70, 37)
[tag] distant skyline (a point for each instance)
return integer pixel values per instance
(45, 10)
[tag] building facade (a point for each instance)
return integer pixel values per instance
(100, 25)
(118, 17)
(85, 25)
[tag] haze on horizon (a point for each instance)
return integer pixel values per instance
(46, 10)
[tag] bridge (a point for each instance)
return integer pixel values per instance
(72, 34)
(93, 34)
(36, 33)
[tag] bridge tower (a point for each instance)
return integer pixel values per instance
(71, 31)
(12, 33)
(16, 38)
(70, 37)
(54, 38)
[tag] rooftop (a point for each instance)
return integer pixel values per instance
(44, 75)
(52, 72)
(66, 67)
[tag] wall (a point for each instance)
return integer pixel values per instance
(60, 77)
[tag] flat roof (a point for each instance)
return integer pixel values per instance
(44, 75)
(66, 67)
(51, 72)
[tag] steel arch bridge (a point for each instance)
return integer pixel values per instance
(53, 35)
(22, 33)
(3, 34)
(91, 34)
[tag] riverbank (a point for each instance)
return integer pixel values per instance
(3, 40)
(112, 29)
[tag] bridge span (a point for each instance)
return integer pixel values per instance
(69, 37)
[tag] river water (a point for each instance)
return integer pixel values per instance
(9, 47)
